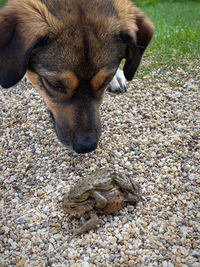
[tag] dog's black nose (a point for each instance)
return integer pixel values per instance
(84, 144)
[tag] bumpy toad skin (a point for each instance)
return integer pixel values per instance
(104, 191)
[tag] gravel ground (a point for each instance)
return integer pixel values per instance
(153, 130)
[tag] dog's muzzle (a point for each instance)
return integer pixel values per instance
(76, 139)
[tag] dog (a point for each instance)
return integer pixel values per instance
(71, 50)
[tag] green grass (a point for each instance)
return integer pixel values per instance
(177, 30)
(2, 2)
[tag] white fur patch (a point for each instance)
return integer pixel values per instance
(118, 83)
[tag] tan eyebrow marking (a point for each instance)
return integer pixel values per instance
(99, 78)
(70, 80)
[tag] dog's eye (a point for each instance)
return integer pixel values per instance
(55, 86)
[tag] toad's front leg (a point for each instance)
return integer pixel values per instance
(100, 200)
(88, 225)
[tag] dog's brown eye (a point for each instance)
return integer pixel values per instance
(57, 87)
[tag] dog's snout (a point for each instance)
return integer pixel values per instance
(84, 144)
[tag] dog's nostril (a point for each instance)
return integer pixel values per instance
(84, 144)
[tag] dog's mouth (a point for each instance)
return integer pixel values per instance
(69, 147)
(52, 119)
(64, 142)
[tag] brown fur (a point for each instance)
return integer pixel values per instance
(70, 50)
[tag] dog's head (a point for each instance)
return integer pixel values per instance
(70, 50)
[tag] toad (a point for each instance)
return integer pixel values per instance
(104, 191)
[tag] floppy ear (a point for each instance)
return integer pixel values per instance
(23, 26)
(14, 55)
(136, 44)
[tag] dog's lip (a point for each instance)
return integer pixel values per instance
(67, 145)
(63, 141)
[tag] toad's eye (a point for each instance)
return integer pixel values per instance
(72, 206)
(57, 86)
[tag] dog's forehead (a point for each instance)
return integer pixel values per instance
(83, 46)
(84, 60)
(84, 39)
(61, 8)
